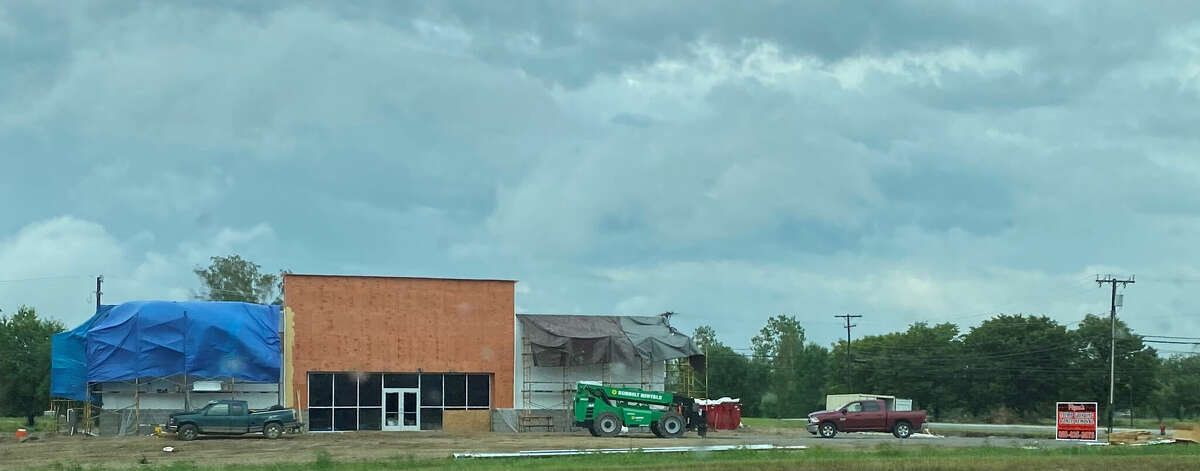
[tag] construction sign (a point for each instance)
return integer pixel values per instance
(1076, 421)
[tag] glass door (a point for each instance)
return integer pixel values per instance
(400, 409)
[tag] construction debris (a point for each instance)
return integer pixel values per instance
(1186, 433)
(1142, 437)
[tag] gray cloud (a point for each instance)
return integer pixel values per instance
(906, 160)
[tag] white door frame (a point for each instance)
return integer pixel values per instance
(399, 414)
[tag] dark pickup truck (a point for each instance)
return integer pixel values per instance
(865, 416)
(232, 418)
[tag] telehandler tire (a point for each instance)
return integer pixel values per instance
(657, 431)
(607, 424)
(672, 425)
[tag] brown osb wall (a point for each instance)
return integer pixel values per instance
(467, 421)
(377, 324)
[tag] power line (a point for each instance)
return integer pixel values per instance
(1168, 337)
(1171, 341)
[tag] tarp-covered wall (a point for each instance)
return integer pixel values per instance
(573, 340)
(159, 338)
(68, 359)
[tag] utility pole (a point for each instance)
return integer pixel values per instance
(1112, 348)
(849, 380)
(99, 280)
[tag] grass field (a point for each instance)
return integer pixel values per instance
(884, 457)
(9, 425)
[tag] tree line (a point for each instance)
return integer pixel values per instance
(1008, 368)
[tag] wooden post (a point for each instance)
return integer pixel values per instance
(87, 407)
(137, 406)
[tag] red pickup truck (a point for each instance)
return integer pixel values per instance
(865, 416)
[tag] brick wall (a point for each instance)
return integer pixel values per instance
(379, 324)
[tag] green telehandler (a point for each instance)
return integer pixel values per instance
(604, 410)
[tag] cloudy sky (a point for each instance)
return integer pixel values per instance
(907, 161)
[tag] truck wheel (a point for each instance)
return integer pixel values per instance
(607, 424)
(671, 425)
(657, 431)
(590, 426)
(902, 429)
(828, 430)
(273, 430)
(188, 432)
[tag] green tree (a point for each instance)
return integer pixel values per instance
(1136, 364)
(1177, 383)
(730, 374)
(795, 372)
(232, 278)
(921, 363)
(25, 363)
(1019, 362)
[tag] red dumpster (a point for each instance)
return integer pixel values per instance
(723, 413)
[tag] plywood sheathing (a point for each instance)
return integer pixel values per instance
(466, 421)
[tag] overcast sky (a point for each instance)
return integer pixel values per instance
(924, 161)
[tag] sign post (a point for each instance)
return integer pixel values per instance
(1076, 421)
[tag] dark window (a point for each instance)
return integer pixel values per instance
(218, 409)
(369, 391)
(456, 390)
(320, 389)
(320, 420)
(369, 418)
(410, 402)
(236, 409)
(400, 381)
(479, 391)
(431, 390)
(345, 389)
(345, 419)
(870, 406)
(431, 419)
(393, 402)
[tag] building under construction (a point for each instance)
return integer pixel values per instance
(557, 351)
(361, 353)
(135, 363)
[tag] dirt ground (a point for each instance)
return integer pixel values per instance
(124, 452)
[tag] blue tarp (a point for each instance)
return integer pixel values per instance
(159, 338)
(68, 359)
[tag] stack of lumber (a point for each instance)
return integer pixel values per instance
(1132, 438)
(1186, 433)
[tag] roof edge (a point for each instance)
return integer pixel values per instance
(435, 278)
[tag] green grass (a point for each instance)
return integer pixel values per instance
(882, 457)
(8, 425)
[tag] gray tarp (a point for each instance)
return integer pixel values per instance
(566, 340)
